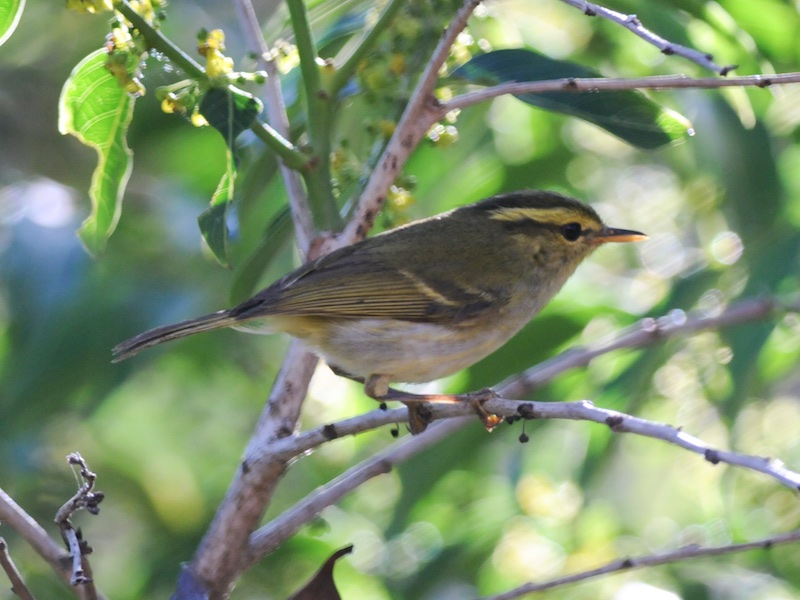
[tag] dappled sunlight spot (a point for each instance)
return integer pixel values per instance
(331, 397)
(726, 247)
(646, 291)
(539, 497)
(42, 201)
(660, 533)
(779, 427)
(581, 136)
(664, 255)
(173, 492)
(638, 590)
(785, 508)
(599, 329)
(781, 351)
(513, 134)
(378, 496)
(369, 551)
(714, 533)
(409, 551)
(676, 381)
(586, 172)
(551, 29)
(524, 554)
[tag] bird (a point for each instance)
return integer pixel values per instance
(424, 300)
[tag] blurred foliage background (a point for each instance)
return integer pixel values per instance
(478, 513)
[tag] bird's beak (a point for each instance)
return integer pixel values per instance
(609, 234)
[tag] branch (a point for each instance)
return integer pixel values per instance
(18, 586)
(86, 498)
(318, 119)
(420, 114)
(457, 416)
(279, 120)
(650, 560)
(33, 533)
(633, 24)
(645, 333)
(273, 534)
(221, 555)
(597, 84)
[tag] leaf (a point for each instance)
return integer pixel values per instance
(229, 111)
(94, 109)
(277, 234)
(10, 13)
(214, 227)
(627, 114)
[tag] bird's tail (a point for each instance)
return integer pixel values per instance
(165, 333)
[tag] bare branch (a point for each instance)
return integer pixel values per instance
(33, 533)
(420, 114)
(633, 24)
(457, 416)
(597, 84)
(18, 586)
(84, 498)
(271, 535)
(220, 556)
(646, 332)
(278, 119)
(651, 560)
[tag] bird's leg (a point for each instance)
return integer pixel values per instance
(377, 386)
(419, 415)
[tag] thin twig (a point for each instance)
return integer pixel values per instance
(457, 416)
(650, 560)
(416, 120)
(646, 332)
(633, 24)
(18, 586)
(279, 120)
(599, 84)
(84, 498)
(26, 526)
(318, 121)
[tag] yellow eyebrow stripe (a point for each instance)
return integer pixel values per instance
(555, 216)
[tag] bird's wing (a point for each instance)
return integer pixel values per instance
(351, 283)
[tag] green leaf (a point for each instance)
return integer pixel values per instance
(214, 227)
(10, 13)
(275, 237)
(229, 111)
(97, 111)
(629, 115)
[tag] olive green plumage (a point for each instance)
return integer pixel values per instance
(426, 299)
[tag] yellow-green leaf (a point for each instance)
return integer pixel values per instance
(10, 13)
(97, 111)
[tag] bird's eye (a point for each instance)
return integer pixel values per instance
(571, 231)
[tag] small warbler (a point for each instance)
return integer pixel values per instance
(424, 300)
